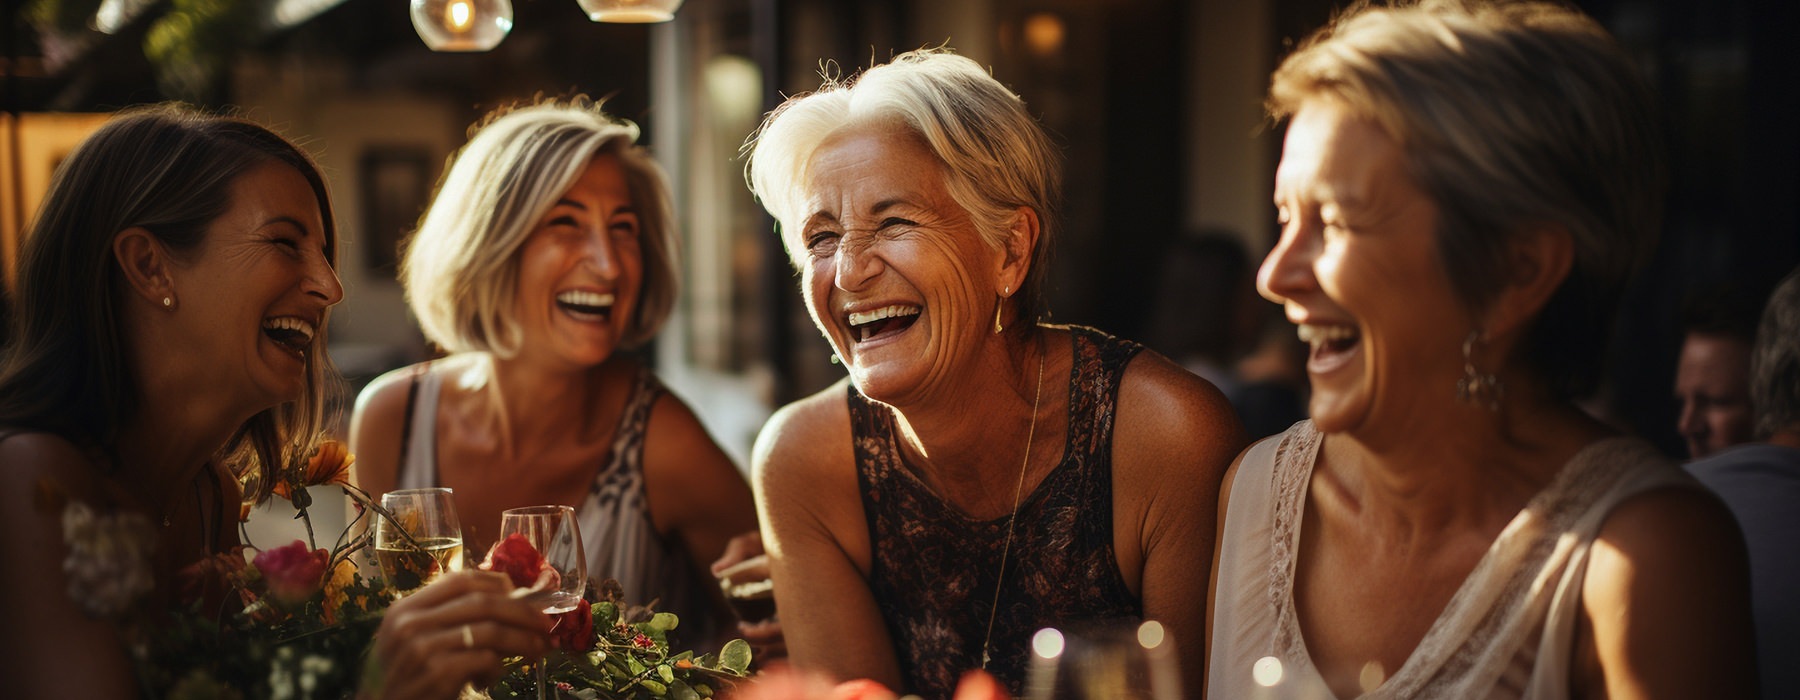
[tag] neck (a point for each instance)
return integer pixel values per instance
(165, 447)
(536, 406)
(973, 442)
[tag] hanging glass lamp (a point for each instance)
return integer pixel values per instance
(630, 11)
(462, 25)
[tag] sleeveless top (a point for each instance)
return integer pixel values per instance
(617, 534)
(933, 569)
(1507, 632)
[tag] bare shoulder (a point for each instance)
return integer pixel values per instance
(376, 426)
(805, 440)
(1668, 566)
(1167, 416)
(35, 461)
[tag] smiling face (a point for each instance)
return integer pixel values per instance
(253, 298)
(580, 271)
(893, 270)
(1358, 271)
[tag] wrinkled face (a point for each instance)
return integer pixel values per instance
(580, 271)
(1712, 381)
(893, 270)
(255, 296)
(1357, 269)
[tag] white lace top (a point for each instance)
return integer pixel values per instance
(1507, 632)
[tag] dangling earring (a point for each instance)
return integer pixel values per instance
(1476, 386)
(998, 307)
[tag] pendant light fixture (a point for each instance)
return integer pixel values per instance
(462, 25)
(630, 11)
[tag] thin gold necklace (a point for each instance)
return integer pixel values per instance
(1018, 492)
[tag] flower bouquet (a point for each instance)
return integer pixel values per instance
(605, 650)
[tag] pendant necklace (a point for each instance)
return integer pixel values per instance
(1018, 492)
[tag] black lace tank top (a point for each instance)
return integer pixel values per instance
(934, 569)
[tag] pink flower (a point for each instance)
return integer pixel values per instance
(515, 557)
(293, 573)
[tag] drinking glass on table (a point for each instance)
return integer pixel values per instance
(1104, 661)
(431, 544)
(553, 532)
(748, 590)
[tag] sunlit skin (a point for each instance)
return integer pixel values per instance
(1712, 382)
(1358, 256)
(874, 237)
(587, 242)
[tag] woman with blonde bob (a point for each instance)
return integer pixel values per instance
(1464, 189)
(979, 475)
(548, 249)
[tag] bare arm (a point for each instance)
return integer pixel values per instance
(1666, 603)
(695, 491)
(49, 647)
(375, 429)
(1175, 437)
(818, 542)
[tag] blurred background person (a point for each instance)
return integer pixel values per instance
(978, 475)
(1271, 392)
(546, 255)
(173, 301)
(1205, 315)
(1712, 375)
(1760, 481)
(1463, 191)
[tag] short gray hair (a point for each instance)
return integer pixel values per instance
(1775, 364)
(461, 269)
(996, 156)
(1512, 116)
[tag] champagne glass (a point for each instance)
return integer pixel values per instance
(552, 530)
(1103, 661)
(422, 542)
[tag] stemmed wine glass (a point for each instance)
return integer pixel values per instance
(431, 543)
(1108, 661)
(552, 530)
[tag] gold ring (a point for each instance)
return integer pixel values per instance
(468, 637)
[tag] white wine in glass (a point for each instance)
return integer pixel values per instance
(432, 544)
(552, 530)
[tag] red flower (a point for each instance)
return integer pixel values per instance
(642, 642)
(521, 562)
(861, 689)
(293, 573)
(573, 630)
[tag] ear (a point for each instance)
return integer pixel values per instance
(1017, 252)
(1538, 263)
(146, 264)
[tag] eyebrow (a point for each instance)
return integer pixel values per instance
(565, 202)
(291, 221)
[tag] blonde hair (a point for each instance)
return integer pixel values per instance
(1513, 116)
(995, 155)
(461, 268)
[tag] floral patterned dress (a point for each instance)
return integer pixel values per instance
(934, 570)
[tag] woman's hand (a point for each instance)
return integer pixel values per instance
(745, 560)
(452, 632)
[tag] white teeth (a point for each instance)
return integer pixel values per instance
(859, 318)
(290, 323)
(1310, 333)
(576, 297)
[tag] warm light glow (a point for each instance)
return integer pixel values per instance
(630, 11)
(1150, 634)
(1044, 33)
(1047, 643)
(1267, 672)
(458, 15)
(1371, 677)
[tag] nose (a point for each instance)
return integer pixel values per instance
(322, 282)
(1689, 424)
(855, 263)
(602, 254)
(1288, 270)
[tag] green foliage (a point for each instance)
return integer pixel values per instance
(629, 661)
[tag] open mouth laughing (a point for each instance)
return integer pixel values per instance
(291, 333)
(585, 305)
(884, 322)
(1330, 343)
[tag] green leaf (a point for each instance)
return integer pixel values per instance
(681, 691)
(735, 656)
(654, 687)
(664, 622)
(667, 673)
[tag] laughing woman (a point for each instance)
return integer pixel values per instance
(547, 253)
(978, 475)
(1464, 189)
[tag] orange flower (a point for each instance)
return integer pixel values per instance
(330, 465)
(335, 595)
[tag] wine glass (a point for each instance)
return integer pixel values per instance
(1103, 661)
(552, 530)
(748, 590)
(422, 542)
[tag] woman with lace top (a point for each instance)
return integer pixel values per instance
(170, 334)
(1464, 189)
(548, 250)
(978, 475)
